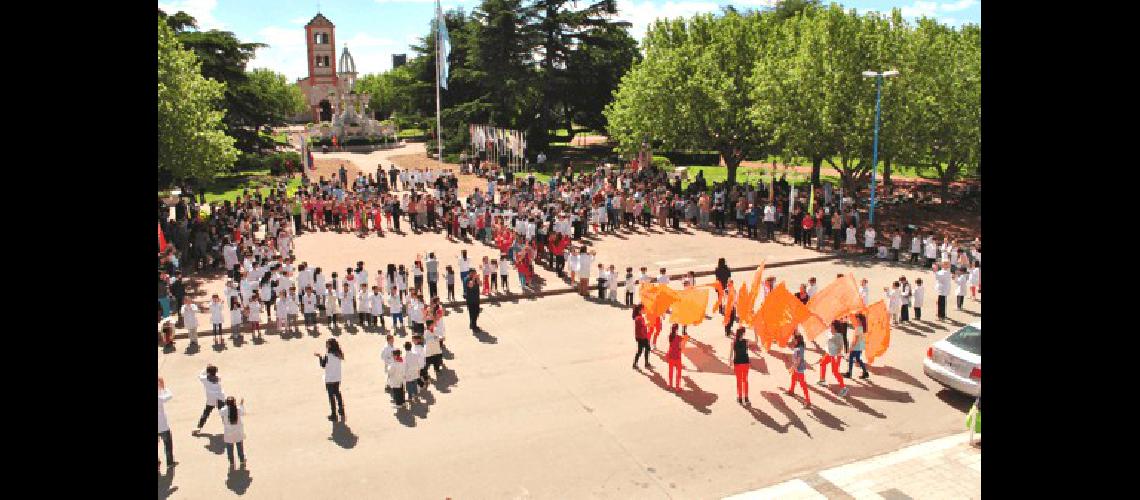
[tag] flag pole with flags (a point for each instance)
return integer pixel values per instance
(443, 49)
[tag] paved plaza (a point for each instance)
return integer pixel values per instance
(544, 403)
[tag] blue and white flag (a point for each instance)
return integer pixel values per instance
(444, 45)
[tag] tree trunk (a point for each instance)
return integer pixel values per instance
(888, 186)
(731, 162)
(944, 178)
(816, 167)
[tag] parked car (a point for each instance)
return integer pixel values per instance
(956, 361)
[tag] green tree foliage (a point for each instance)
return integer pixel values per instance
(692, 89)
(389, 91)
(191, 142)
(941, 123)
(266, 98)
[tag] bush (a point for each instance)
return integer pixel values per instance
(410, 133)
(662, 162)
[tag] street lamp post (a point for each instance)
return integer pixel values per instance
(875, 145)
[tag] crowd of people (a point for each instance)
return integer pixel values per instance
(530, 224)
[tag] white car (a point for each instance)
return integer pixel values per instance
(956, 361)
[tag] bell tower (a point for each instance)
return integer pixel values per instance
(320, 42)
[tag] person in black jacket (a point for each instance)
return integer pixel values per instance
(471, 295)
(722, 273)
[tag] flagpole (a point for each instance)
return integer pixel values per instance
(438, 51)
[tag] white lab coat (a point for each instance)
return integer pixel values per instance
(214, 392)
(396, 374)
(164, 395)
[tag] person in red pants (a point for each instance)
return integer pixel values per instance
(740, 365)
(673, 357)
(799, 364)
(834, 345)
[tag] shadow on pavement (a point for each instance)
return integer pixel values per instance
(164, 482)
(238, 480)
(342, 435)
(960, 402)
(192, 349)
(897, 374)
(768, 421)
(445, 379)
(874, 391)
(215, 444)
(793, 420)
(485, 337)
(694, 396)
(704, 357)
(405, 416)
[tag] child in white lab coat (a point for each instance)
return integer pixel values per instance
(347, 304)
(504, 271)
(963, 284)
(916, 298)
(253, 315)
(630, 287)
(237, 318)
(894, 302)
(612, 284)
(190, 319)
(217, 314)
(975, 279)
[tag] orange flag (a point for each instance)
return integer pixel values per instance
(744, 304)
(836, 299)
(878, 330)
(730, 303)
(719, 294)
(657, 299)
(690, 306)
(778, 316)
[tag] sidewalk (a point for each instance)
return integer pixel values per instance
(948, 467)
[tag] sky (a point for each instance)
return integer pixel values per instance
(376, 29)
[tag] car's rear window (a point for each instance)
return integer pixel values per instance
(968, 338)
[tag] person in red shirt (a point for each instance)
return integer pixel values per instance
(808, 226)
(641, 334)
(673, 357)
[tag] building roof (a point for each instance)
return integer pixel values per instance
(320, 20)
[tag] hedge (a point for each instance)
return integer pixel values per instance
(352, 141)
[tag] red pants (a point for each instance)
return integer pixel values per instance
(834, 362)
(799, 377)
(653, 332)
(741, 370)
(675, 364)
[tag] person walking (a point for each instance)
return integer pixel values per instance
(641, 335)
(738, 352)
(215, 397)
(835, 343)
(164, 435)
(331, 362)
(233, 433)
(858, 343)
(799, 364)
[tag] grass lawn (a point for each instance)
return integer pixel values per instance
(229, 185)
(410, 132)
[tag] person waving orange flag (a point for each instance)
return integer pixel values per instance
(836, 299)
(778, 316)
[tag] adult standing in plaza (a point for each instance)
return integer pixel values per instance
(233, 429)
(942, 281)
(331, 362)
(164, 435)
(471, 295)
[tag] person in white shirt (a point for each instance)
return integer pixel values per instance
(585, 260)
(386, 352)
(253, 315)
(612, 284)
(416, 313)
(233, 429)
(309, 307)
(331, 362)
(894, 302)
(236, 318)
(190, 319)
(433, 346)
(328, 304)
(215, 397)
(896, 246)
(865, 292)
(376, 307)
(413, 364)
(504, 271)
(942, 280)
(917, 295)
(869, 239)
(812, 288)
(975, 279)
(397, 309)
(464, 266)
(905, 292)
(217, 314)
(364, 307)
(931, 251)
(963, 283)
(663, 278)
(396, 373)
(347, 305)
(164, 435)
(572, 259)
(282, 304)
(915, 248)
(292, 308)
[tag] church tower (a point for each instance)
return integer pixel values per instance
(322, 84)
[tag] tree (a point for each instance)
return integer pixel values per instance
(191, 142)
(555, 29)
(501, 65)
(692, 91)
(390, 91)
(596, 69)
(265, 98)
(943, 116)
(812, 87)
